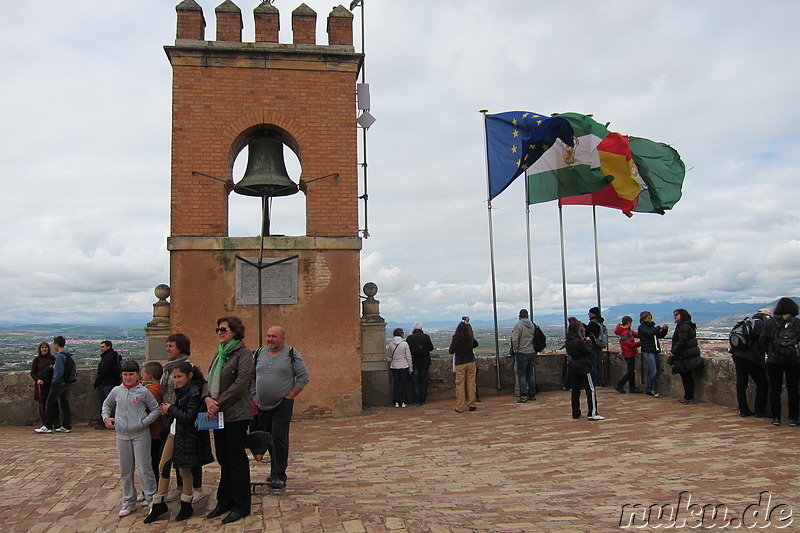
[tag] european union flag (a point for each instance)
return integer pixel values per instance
(515, 140)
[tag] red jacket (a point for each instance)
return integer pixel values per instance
(627, 340)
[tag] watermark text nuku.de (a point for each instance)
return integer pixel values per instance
(687, 514)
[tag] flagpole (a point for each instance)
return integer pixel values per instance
(563, 265)
(528, 230)
(491, 250)
(596, 256)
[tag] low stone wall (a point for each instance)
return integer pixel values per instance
(716, 383)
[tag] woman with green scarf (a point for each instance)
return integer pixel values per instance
(229, 393)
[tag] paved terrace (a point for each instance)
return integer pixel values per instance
(506, 467)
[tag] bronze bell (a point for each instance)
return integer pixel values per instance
(266, 171)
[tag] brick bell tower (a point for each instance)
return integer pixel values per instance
(225, 94)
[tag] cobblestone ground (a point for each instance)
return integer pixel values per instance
(507, 467)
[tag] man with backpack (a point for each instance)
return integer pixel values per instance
(523, 346)
(748, 358)
(596, 330)
(421, 347)
(779, 339)
(64, 374)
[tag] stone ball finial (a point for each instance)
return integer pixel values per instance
(370, 289)
(161, 291)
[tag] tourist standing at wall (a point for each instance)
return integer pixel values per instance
(581, 359)
(401, 365)
(108, 374)
(59, 392)
(462, 347)
(598, 334)
(749, 362)
(421, 347)
(649, 334)
(628, 345)
(42, 374)
(525, 356)
(229, 393)
(779, 339)
(280, 374)
(685, 354)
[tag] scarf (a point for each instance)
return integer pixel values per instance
(216, 367)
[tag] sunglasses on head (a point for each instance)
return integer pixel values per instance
(221, 330)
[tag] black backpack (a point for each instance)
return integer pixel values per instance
(785, 343)
(70, 369)
(742, 334)
(539, 339)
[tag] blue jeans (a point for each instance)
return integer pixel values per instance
(597, 367)
(400, 385)
(526, 374)
(419, 377)
(652, 369)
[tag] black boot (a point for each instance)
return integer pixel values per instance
(186, 511)
(157, 510)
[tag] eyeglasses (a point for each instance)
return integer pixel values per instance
(676, 314)
(221, 330)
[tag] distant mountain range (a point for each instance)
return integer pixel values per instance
(705, 313)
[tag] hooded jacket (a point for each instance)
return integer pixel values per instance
(627, 340)
(649, 334)
(522, 336)
(421, 348)
(192, 447)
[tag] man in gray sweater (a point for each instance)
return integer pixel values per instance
(525, 353)
(279, 376)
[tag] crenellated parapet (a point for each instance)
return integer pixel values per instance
(192, 25)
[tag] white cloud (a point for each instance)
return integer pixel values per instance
(85, 159)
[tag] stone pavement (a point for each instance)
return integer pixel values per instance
(506, 467)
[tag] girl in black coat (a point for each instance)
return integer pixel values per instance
(191, 447)
(580, 356)
(685, 354)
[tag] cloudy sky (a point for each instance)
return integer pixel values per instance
(86, 131)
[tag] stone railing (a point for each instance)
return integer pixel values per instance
(716, 383)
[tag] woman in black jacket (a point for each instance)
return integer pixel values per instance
(191, 447)
(783, 358)
(685, 354)
(580, 357)
(649, 333)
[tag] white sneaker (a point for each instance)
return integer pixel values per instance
(140, 497)
(62, 429)
(125, 511)
(197, 496)
(43, 429)
(173, 495)
(403, 405)
(397, 405)
(597, 417)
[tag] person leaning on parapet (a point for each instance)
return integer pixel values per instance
(628, 345)
(649, 334)
(462, 346)
(580, 357)
(59, 393)
(401, 365)
(421, 348)
(279, 375)
(595, 330)
(108, 375)
(525, 355)
(779, 339)
(749, 363)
